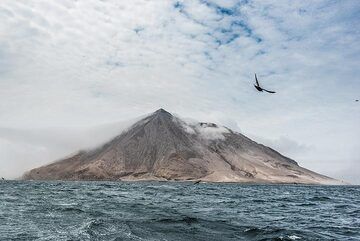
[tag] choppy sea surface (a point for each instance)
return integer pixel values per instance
(177, 211)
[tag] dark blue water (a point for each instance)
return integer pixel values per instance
(177, 211)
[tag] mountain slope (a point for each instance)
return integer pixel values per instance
(163, 147)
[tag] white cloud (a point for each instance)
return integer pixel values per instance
(285, 145)
(73, 63)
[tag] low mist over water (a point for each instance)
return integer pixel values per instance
(177, 211)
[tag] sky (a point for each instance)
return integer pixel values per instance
(73, 67)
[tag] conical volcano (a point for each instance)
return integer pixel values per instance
(164, 147)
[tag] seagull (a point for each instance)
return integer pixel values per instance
(257, 86)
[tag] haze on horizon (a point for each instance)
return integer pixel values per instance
(69, 68)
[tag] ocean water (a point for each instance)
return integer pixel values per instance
(177, 211)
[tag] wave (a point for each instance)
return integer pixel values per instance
(320, 198)
(149, 212)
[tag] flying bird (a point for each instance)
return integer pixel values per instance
(257, 86)
(197, 182)
(357, 100)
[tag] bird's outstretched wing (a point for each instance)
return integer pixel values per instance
(269, 91)
(257, 82)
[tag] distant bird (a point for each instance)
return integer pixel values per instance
(257, 86)
(2, 178)
(357, 100)
(197, 182)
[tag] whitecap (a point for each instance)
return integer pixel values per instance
(294, 237)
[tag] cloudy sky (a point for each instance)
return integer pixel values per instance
(70, 66)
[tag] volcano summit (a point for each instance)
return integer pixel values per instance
(164, 147)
